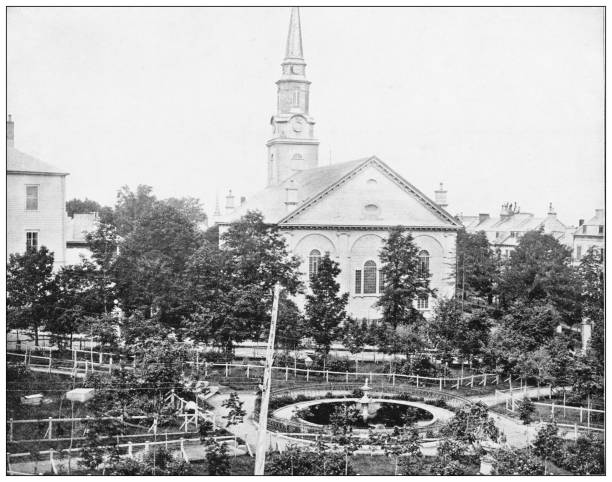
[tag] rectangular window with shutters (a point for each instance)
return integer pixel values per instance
(578, 252)
(358, 281)
(381, 281)
(31, 198)
(32, 240)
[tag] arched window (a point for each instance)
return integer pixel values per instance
(313, 262)
(423, 302)
(423, 263)
(369, 277)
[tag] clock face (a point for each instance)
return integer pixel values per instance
(298, 124)
(295, 69)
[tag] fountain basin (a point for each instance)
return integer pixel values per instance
(427, 414)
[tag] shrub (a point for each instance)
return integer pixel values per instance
(526, 409)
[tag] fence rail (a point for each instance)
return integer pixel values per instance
(96, 363)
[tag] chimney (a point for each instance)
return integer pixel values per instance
(580, 222)
(551, 210)
(440, 197)
(506, 211)
(599, 213)
(291, 196)
(229, 202)
(242, 200)
(10, 132)
(482, 217)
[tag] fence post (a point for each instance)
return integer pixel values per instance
(130, 453)
(110, 365)
(286, 373)
(440, 384)
(247, 373)
(49, 361)
(346, 377)
(484, 381)
(580, 417)
(146, 447)
(472, 382)
(100, 357)
(417, 381)
(327, 376)
(552, 410)
(226, 370)
(307, 373)
(186, 422)
(393, 378)
(497, 379)
(50, 427)
(11, 430)
(576, 431)
(458, 382)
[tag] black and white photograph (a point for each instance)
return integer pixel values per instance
(305, 241)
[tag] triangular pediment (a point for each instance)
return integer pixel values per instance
(372, 195)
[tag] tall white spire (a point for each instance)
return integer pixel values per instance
(294, 38)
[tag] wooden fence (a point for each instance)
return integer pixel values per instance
(130, 449)
(82, 362)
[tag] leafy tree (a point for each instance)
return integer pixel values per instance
(476, 271)
(212, 235)
(585, 456)
(236, 412)
(526, 409)
(454, 332)
(354, 335)
(85, 206)
(404, 280)
(291, 326)
(159, 461)
(30, 290)
(517, 462)
(547, 443)
(470, 424)
(539, 270)
(325, 306)
(299, 461)
(255, 257)
(536, 322)
(131, 207)
(190, 207)
(148, 271)
(217, 459)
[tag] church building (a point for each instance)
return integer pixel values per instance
(344, 209)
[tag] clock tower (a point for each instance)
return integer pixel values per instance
(293, 146)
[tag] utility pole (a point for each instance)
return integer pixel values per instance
(260, 453)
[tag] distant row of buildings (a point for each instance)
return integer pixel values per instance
(36, 215)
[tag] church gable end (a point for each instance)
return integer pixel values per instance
(371, 195)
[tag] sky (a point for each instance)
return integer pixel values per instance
(499, 104)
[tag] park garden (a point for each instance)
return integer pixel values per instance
(148, 357)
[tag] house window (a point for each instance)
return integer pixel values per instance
(31, 198)
(600, 229)
(381, 281)
(313, 262)
(358, 281)
(369, 278)
(578, 252)
(424, 264)
(32, 240)
(423, 302)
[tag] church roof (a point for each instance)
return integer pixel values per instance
(314, 184)
(20, 162)
(271, 200)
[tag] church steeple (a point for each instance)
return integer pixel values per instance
(294, 38)
(293, 146)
